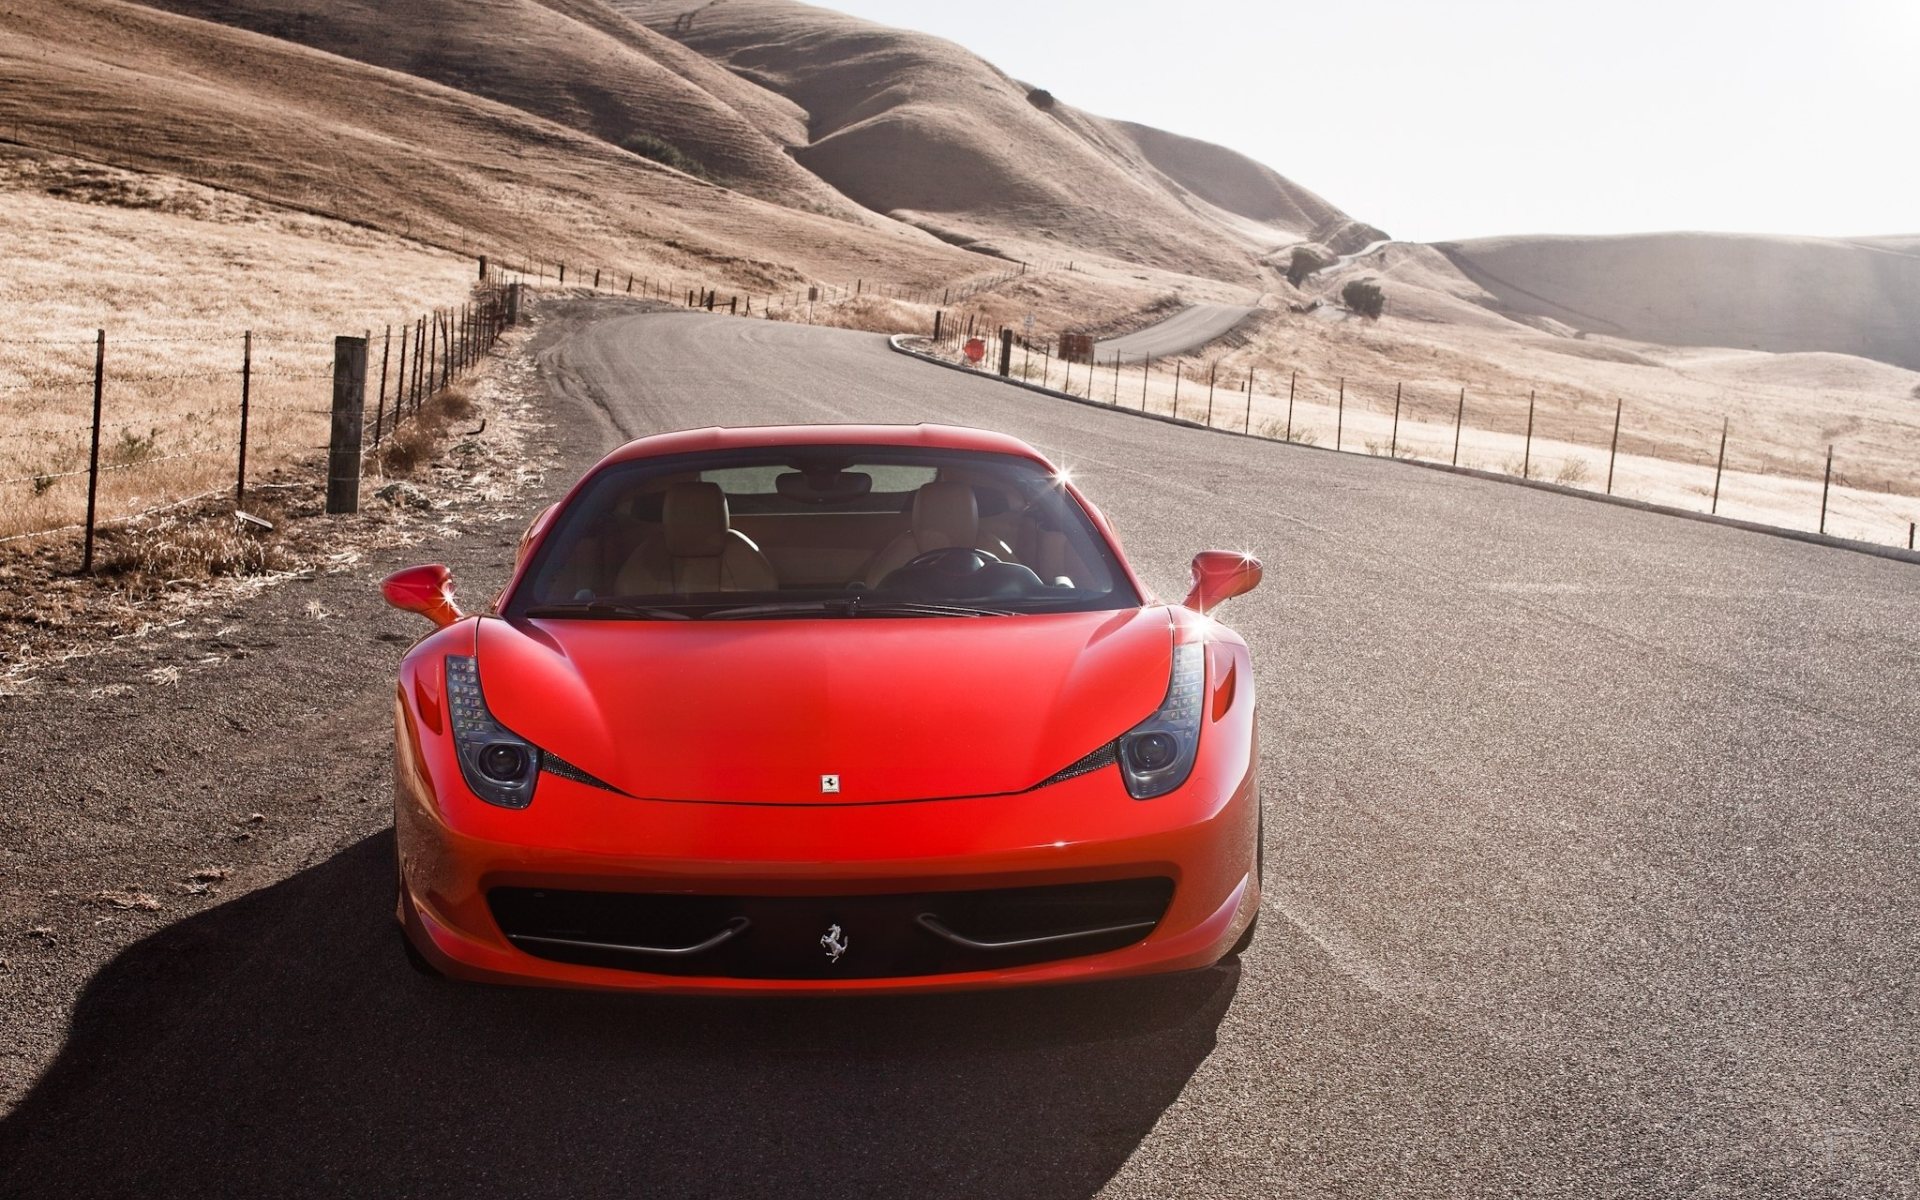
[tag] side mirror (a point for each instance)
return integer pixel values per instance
(425, 590)
(1221, 575)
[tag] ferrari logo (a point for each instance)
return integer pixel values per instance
(834, 942)
(829, 785)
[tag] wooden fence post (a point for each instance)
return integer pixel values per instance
(93, 460)
(349, 399)
(1213, 373)
(1526, 455)
(246, 398)
(1459, 415)
(1006, 353)
(1393, 446)
(1719, 468)
(1613, 451)
(1293, 380)
(1340, 415)
(1826, 485)
(1247, 426)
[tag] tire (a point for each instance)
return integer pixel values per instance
(417, 960)
(1246, 938)
(1260, 875)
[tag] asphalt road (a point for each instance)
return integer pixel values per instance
(1185, 330)
(1590, 872)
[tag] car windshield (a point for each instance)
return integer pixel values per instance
(821, 531)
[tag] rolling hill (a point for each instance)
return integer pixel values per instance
(1750, 292)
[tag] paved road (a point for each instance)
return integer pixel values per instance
(1590, 868)
(1188, 329)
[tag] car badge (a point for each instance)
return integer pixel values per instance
(834, 942)
(829, 785)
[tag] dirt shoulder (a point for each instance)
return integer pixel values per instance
(246, 736)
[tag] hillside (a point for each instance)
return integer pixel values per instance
(161, 93)
(923, 130)
(1859, 297)
(574, 62)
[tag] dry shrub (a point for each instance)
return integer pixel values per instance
(144, 559)
(415, 443)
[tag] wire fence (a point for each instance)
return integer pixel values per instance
(1863, 489)
(104, 430)
(108, 430)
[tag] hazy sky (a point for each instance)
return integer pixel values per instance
(1443, 119)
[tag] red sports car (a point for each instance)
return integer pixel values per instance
(825, 708)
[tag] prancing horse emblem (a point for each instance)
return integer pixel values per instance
(834, 942)
(829, 785)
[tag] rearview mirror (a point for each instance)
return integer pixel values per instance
(425, 590)
(1221, 575)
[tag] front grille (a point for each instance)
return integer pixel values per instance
(781, 937)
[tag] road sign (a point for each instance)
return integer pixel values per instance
(976, 349)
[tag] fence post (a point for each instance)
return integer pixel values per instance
(1248, 427)
(1116, 381)
(513, 303)
(1177, 372)
(1292, 381)
(246, 397)
(938, 316)
(1526, 455)
(420, 352)
(1719, 468)
(483, 268)
(380, 397)
(1910, 527)
(1006, 353)
(1146, 377)
(1393, 446)
(446, 358)
(93, 460)
(596, 277)
(733, 305)
(349, 399)
(1213, 372)
(1825, 487)
(1459, 415)
(1340, 415)
(563, 272)
(400, 377)
(1613, 451)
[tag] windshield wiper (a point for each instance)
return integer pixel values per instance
(602, 610)
(850, 606)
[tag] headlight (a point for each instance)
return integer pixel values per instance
(499, 766)
(1156, 756)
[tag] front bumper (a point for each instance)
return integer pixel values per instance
(459, 856)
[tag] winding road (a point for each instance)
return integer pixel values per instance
(1188, 329)
(1590, 872)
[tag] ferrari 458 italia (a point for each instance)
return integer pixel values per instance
(825, 708)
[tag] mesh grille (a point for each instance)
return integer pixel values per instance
(1105, 756)
(553, 764)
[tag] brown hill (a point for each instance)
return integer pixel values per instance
(575, 62)
(1743, 291)
(925, 131)
(157, 92)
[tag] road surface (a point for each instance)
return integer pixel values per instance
(1590, 869)
(1188, 329)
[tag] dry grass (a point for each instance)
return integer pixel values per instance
(171, 405)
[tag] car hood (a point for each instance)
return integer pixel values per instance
(756, 712)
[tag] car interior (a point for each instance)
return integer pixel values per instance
(778, 524)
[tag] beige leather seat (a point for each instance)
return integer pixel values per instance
(945, 513)
(697, 550)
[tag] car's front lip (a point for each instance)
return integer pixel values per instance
(454, 851)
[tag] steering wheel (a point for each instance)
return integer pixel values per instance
(947, 560)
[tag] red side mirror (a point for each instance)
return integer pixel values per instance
(425, 590)
(1221, 575)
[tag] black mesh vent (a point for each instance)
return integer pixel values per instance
(1105, 756)
(553, 764)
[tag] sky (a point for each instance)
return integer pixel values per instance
(1443, 119)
